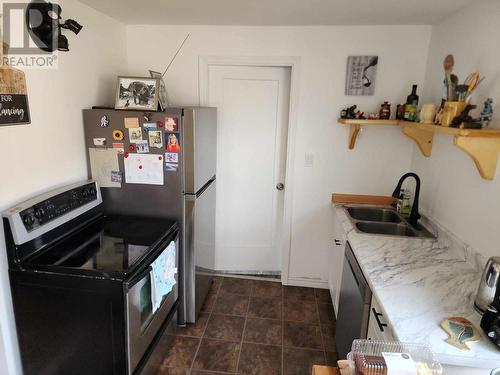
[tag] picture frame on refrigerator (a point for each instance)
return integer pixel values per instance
(163, 97)
(137, 93)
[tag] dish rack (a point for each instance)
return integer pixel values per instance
(367, 357)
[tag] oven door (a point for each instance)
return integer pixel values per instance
(146, 311)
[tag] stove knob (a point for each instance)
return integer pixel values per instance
(39, 213)
(28, 220)
(85, 192)
(93, 191)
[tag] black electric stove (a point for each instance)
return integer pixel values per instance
(112, 247)
(83, 286)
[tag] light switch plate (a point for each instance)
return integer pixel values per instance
(308, 160)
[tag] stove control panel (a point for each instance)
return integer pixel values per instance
(38, 215)
(57, 206)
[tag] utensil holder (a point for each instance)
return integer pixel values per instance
(450, 111)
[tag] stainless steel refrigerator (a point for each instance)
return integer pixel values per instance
(187, 194)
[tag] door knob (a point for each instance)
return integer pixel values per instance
(280, 186)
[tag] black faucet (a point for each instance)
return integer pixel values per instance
(414, 216)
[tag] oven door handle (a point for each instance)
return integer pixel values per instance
(141, 275)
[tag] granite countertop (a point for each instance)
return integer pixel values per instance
(418, 282)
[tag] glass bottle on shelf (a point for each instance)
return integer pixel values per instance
(411, 105)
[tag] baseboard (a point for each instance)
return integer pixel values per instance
(307, 283)
(248, 277)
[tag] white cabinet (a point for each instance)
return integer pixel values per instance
(378, 326)
(335, 262)
(458, 370)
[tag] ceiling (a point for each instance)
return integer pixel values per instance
(278, 12)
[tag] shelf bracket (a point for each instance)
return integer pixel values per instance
(423, 138)
(484, 152)
(353, 134)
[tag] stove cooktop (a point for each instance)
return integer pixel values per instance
(111, 245)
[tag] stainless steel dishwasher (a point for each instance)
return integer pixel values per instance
(354, 305)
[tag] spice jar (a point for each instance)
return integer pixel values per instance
(400, 111)
(385, 111)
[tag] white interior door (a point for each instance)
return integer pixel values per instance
(253, 105)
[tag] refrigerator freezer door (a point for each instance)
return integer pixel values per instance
(199, 127)
(199, 237)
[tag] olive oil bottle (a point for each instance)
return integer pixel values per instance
(411, 105)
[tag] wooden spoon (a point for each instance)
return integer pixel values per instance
(448, 64)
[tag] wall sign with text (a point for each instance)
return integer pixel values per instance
(14, 109)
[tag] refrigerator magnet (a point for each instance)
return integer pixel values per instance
(116, 176)
(173, 142)
(135, 135)
(160, 124)
(155, 138)
(131, 148)
(142, 147)
(169, 167)
(119, 147)
(171, 124)
(100, 142)
(131, 122)
(104, 121)
(171, 157)
(117, 135)
(148, 126)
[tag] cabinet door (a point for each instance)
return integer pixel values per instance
(459, 370)
(378, 325)
(335, 262)
(373, 330)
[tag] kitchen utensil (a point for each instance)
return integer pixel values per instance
(471, 81)
(461, 91)
(488, 285)
(448, 64)
(453, 87)
(460, 331)
(471, 90)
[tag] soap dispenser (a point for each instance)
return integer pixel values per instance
(399, 203)
(405, 205)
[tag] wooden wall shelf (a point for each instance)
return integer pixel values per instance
(482, 145)
(355, 127)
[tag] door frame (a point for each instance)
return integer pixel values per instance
(292, 62)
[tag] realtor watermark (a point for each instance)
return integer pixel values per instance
(28, 42)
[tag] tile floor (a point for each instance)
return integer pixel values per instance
(255, 327)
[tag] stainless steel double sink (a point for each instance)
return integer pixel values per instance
(384, 221)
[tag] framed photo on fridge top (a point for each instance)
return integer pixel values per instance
(139, 93)
(162, 98)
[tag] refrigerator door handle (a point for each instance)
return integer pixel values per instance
(202, 189)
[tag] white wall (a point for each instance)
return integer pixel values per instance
(381, 155)
(453, 191)
(50, 152)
